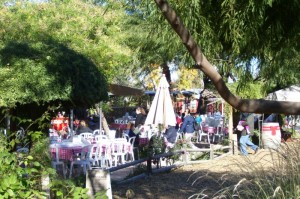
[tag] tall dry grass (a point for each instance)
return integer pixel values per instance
(268, 174)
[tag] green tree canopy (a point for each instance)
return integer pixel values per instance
(233, 34)
(44, 72)
(60, 50)
(245, 105)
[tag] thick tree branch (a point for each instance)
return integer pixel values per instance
(244, 105)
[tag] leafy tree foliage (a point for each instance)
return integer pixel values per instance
(41, 72)
(59, 51)
(245, 105)
(232, 33)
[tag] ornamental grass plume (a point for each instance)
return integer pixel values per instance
(268, 174)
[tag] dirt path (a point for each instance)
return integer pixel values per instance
(206, 178)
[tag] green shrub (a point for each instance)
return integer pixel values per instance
(19, 173)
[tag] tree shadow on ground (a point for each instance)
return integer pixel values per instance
(177, 184)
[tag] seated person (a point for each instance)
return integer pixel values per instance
(76, 123)
(64, 133)
(132, 132)
(170, 134)
(83, 128)
(128, 128)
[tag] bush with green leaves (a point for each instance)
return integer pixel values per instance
(20, 174)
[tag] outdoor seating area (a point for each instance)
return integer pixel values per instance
(126, 140)
(99, 97)
(89, 151)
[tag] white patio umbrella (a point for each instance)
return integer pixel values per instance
(161, 110)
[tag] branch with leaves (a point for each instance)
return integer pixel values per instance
(244, 105)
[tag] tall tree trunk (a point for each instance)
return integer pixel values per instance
(166, 71)
(244, 105)
(102, 118)
(104, 124)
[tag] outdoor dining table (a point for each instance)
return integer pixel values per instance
(67, 149)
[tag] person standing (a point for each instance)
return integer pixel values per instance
(187, 126)
(244, 126)
(178, 121)
(140, 116)
(198, 118)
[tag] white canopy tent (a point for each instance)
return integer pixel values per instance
(291, 93)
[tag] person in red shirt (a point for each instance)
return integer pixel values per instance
(178, 121)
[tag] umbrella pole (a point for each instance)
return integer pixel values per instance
(100, 118)
(71, 122)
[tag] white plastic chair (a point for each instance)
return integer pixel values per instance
(120, 140)
(55, 162)
(118, 151)
(104, 155)
(219, 133)
(202, 133)
(94, 154)
(131, 152)
(88, 136)
(84, 161)
(99, 138)
(20, 134)
(98, 132)
(126, 136)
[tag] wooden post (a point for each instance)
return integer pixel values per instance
(100, 118)
(185, 156)
(230, 123)
(45, 185)
(71, 122)
(235, 144)
(232, 137)
(211, 154)
(98, 182)
(149, 165)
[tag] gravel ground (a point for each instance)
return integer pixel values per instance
(187, 181)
